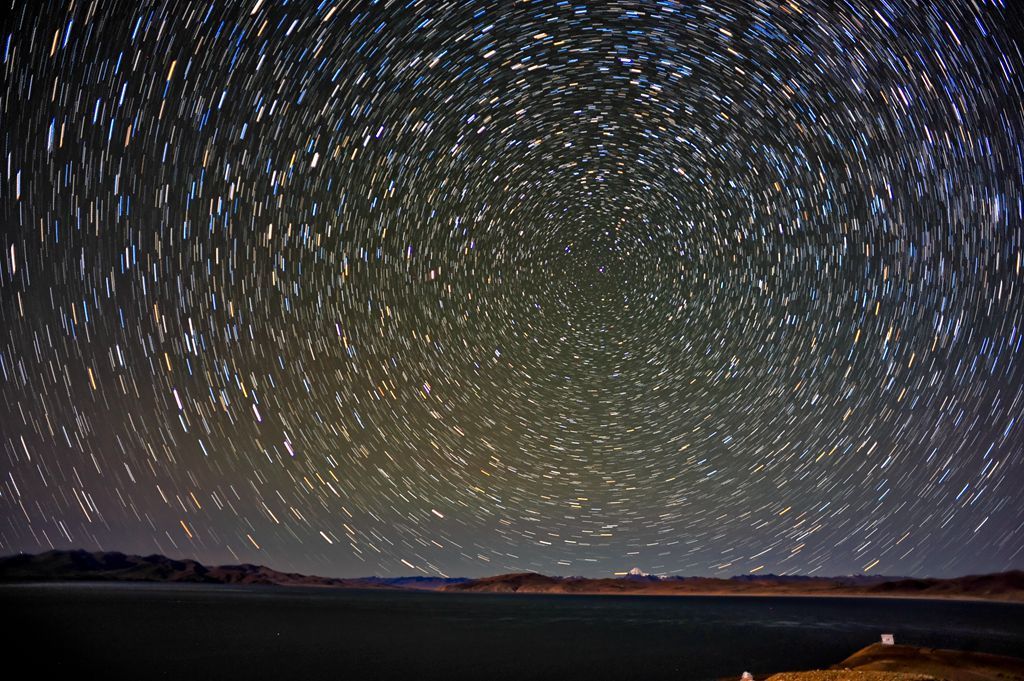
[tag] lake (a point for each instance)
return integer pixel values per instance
(143, 631)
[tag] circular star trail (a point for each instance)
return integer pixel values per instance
(470, 287)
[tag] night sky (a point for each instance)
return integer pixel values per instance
(463, 288)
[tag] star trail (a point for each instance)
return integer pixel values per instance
(464, 287)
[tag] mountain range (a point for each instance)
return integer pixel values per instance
(80, 565)
(111, 566)
(1008, 586)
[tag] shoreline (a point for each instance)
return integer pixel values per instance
(912, 597)
(393, 589)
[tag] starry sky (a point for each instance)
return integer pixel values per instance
(461, 287)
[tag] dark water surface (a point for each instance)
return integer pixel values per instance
(144, 631)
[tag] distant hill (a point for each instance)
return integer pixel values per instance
(1000, 586)
(79, 565)
(419, 583)
(1007, 586)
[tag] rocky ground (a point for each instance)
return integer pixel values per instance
(849, 675)
(908, 663)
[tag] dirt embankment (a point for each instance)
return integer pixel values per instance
(879, 662)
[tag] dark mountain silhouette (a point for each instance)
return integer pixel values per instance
(1001, 585)
(79, 565)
